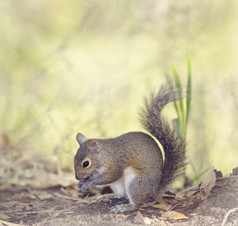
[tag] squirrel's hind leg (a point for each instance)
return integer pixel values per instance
(137, 195)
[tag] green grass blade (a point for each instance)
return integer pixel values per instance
(168, 79)
(193, 168)
(180, 102)
(189, 89)
(197, 177)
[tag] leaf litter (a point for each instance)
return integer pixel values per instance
(59, 204)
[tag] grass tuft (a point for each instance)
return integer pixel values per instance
(182, 108)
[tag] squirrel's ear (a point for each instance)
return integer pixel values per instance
(92, 146)
(81, 138)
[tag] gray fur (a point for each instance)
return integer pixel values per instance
(137, 151)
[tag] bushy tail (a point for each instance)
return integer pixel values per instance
(169, 138)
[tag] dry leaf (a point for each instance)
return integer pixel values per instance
(64, 191)
(180, 196)
(174, 215)
(4, 186)
(12, 204)
(142, 220)
(192, 192)
(161, 201)
(164, 206)
(178, 216)
(44, 195)
(27, 208)
(50, 209)
(208, 182)
(193, 214)
(139, 218)
(9, 223)
(4, 216)
(17, 196)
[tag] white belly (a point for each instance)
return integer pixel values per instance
(121, 186)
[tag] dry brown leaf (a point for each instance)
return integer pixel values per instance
(208, 181)
(64, 191)
(139, 218)
(27, 208)
(12, 204)
(192, 193)
(174, 215)
(51, 209)
(163, 206)
(17, 196)
(70, 193)
(142, 220)
(193, 214)
(4, 216)
(161, 201)
(4, 186)
(179, 216)
(182, 200)
(180, 196)
(44, 195)
(32, 196)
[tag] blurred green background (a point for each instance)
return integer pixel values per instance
(70, 66)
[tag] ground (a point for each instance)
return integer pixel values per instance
(214, 202)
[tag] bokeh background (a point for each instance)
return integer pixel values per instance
(70, 66)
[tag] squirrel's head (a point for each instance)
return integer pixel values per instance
(86, 160)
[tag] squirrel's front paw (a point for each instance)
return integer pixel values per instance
(84, 186)
(123, 208)
(101, 198)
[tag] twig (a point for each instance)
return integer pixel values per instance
(9, 223)
(35, 212)
(52, 210)
(38, 212)
(227, 215)
(66, 197)
(70, 198)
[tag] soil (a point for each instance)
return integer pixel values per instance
(64, 205)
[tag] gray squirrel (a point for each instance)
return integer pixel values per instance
(132, 163)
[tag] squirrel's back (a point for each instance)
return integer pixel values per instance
(133, 149)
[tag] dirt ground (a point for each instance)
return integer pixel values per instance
(64, 205)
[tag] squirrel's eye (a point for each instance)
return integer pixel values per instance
(86, 163)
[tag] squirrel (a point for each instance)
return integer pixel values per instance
(132, 163)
